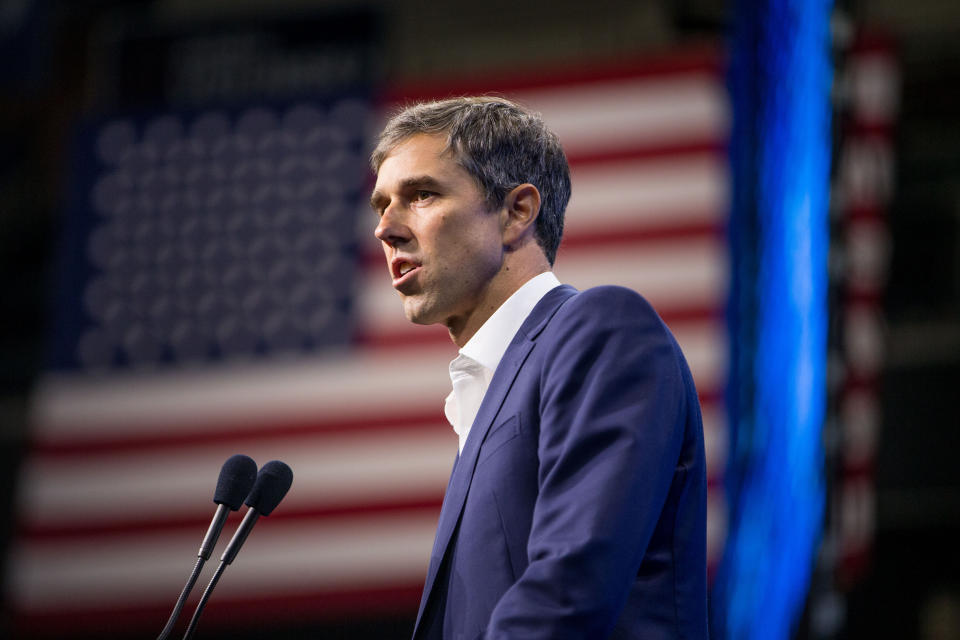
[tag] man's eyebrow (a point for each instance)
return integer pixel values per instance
(407, 184)
(419, 182)
(376, 199)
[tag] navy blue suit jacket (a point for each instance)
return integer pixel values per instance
(577, 508)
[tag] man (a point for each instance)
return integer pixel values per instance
(576, 507)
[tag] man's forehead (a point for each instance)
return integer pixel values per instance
(425, 145)
(417, 158)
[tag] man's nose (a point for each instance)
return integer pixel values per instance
(392, 229)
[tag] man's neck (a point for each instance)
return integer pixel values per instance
(504, 285)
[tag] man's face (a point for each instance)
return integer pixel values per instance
(442, 243)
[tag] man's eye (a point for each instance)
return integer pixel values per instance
(423, 195)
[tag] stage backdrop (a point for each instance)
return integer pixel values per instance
(222, 293)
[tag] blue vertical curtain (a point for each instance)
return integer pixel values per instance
(779, 78)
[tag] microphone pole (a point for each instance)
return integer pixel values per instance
(273, 482)
(236, 478)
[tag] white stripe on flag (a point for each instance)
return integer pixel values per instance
(351, 385)
(279, 557)
(647, 194)
(625, 113)
(329, 470)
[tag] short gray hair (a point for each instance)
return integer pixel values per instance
(498, 142)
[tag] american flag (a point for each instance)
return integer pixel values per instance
(223, 293)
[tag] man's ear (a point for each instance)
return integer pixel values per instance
(521, 206)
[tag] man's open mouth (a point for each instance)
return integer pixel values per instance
(401, 267)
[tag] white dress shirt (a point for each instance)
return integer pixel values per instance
(472, 370)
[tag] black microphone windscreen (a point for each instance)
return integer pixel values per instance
(273, 482)
(237, 475)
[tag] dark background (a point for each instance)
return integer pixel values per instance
(54, 70)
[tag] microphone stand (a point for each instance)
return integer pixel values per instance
(216, 525)
(203, 601)
(181, 600)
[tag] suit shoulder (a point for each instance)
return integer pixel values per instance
(612, 304)
(613, 293)
(610, 310)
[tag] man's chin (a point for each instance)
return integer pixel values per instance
(418, 320)
(416, 313)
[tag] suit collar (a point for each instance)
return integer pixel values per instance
(513, 359)
(491, 340)
(544, 311)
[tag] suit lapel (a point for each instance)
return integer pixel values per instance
(503, 379)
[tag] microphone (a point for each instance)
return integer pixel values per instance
(237, 475)
(273, 482)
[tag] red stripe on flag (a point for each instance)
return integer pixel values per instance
(705, 59)
(101, 530)
(153, 437)
(249, 613)
(637, 236)
(662, 150)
